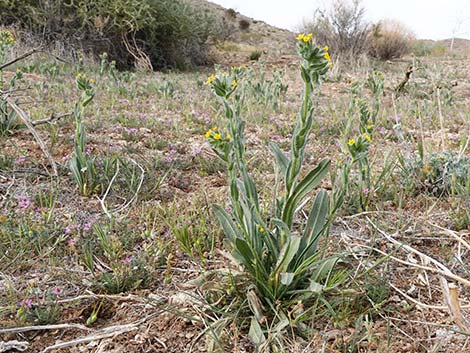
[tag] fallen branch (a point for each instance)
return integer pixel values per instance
(16, 345)
(44, 328)
(451, 297)
(441, 269)
(21, 57)
(51, 119)
(24, 117)
(107, 332)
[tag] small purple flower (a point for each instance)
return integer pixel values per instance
(132, 130)
(24, 204)
(87, 226)
(168, 159)
(57, 291)
(197, 150)
(366, 191)
(88, 151)
(172, 151)
(27, 303)
(228, 209)
(143, 116)
(20, 160)
(71, 242)
(127, 260)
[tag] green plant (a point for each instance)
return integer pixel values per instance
(8, 116)
(81, 164)
(280, 254)
(255, 55)
(362, 187)
(141, 33)
(258, 89)
(438, 174)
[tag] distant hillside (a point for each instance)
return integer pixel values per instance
(460, 46)
(248, 35)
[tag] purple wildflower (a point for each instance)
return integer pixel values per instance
(57, 291)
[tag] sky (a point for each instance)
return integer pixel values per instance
(428, 19)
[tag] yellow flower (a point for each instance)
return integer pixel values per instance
(369, 127)
(351, 142)
(261, 229)
(325, 48)
(215, 128)
(228, 137)
(244, 67)
(217, 136)
(234, 83)
(367, 137)
(210, 79)
(307, 37)
(92, 81)
(300, 37)
(208, 133)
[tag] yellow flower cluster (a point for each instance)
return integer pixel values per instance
(367, 137)
(215, 134)
(351, 142)
(304, 37)
(210, 79)
(327, 55)
(84, 77)
(6, 38)
(234, 83)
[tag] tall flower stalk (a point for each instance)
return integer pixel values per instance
(280, 257)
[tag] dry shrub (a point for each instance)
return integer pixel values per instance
(243, 25)
(342, 27)
(390, 39)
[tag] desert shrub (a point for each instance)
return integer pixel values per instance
(390, 40)
(243, 25)
(148, 33)
(342, 27)
(439, 174)
(255, 55)
(231, 14)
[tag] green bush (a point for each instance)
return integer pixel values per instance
(147, 33)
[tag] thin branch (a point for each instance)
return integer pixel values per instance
(21, 57)
(24, 117)
(107, 332)
(44, 328)
(51, 119)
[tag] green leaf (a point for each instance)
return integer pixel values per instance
(281, 159)
(287, 278)
(316, 221)
(230, 228)
(256, 333)
(310, 182)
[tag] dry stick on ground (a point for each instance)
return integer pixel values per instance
(451, 298)
(443, 270)
(24, 117)
(44, 328)
(426, 268)
(106, 332)
(51, 119)
(13, 345)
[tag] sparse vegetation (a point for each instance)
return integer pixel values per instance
(277, 205)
